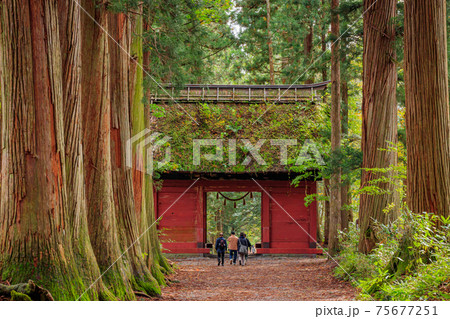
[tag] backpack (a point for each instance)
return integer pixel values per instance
(243, 247)
(222, 244)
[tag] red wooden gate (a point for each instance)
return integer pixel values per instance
(287, 226)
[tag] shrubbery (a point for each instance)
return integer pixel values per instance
(411, 262)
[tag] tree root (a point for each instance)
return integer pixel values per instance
(25, 292)
(142, 294)
(17, 296)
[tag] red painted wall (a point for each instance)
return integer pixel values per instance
(288, 227)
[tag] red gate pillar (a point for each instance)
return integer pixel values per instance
(311, 188)
(201, 218)
(265, 220)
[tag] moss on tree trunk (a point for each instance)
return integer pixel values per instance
(120, 27)
(35, 237)
(25, 292)
(96, 118)
(68, 213)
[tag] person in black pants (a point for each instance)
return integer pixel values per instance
(243, 247)
(221, 248)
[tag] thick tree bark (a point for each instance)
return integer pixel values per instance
(379, 114)
(324, 67)
(141, 118)
(335, 180)
(427, 109)
(269, 45)
(96, 117)
(326, 222)
(34, 239)
(65, 191)
(70, 35)
(159, 264)
(345, 189)
(121, 29)
(323, 43)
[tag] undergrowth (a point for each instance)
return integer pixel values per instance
(411, 261)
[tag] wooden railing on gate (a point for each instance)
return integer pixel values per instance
(193, 93)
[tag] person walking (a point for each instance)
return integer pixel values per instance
(221, 247)
(233, 247)
(249, 247)
(243, 246)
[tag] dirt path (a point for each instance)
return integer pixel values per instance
(264, 278)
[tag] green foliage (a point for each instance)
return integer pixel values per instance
(225, 218)
(290, 23)
(411, 262)
(183, 36)
(237, 122)
(157, 110)
(393, 175)
(315, 197)
(429, 282)
(212, 11)
(352, 264)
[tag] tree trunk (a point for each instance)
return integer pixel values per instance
(26, 292)
(142, 118)
(379, 115)
(66, 192)
(121, 30)
(427, 109)
(307, 50)
(335, 180)
(320, 215)
(70, 25)
(34, 238)
(96, 113)
(326, 222)
(269, 45)
(345, 190)
(323, 42)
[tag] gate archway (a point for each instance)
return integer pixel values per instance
(287, 225)
(237, 113)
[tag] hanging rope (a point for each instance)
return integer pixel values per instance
(233, 199)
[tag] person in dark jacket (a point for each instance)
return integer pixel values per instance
(221, 248)
(249, 247)
(243, 252)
